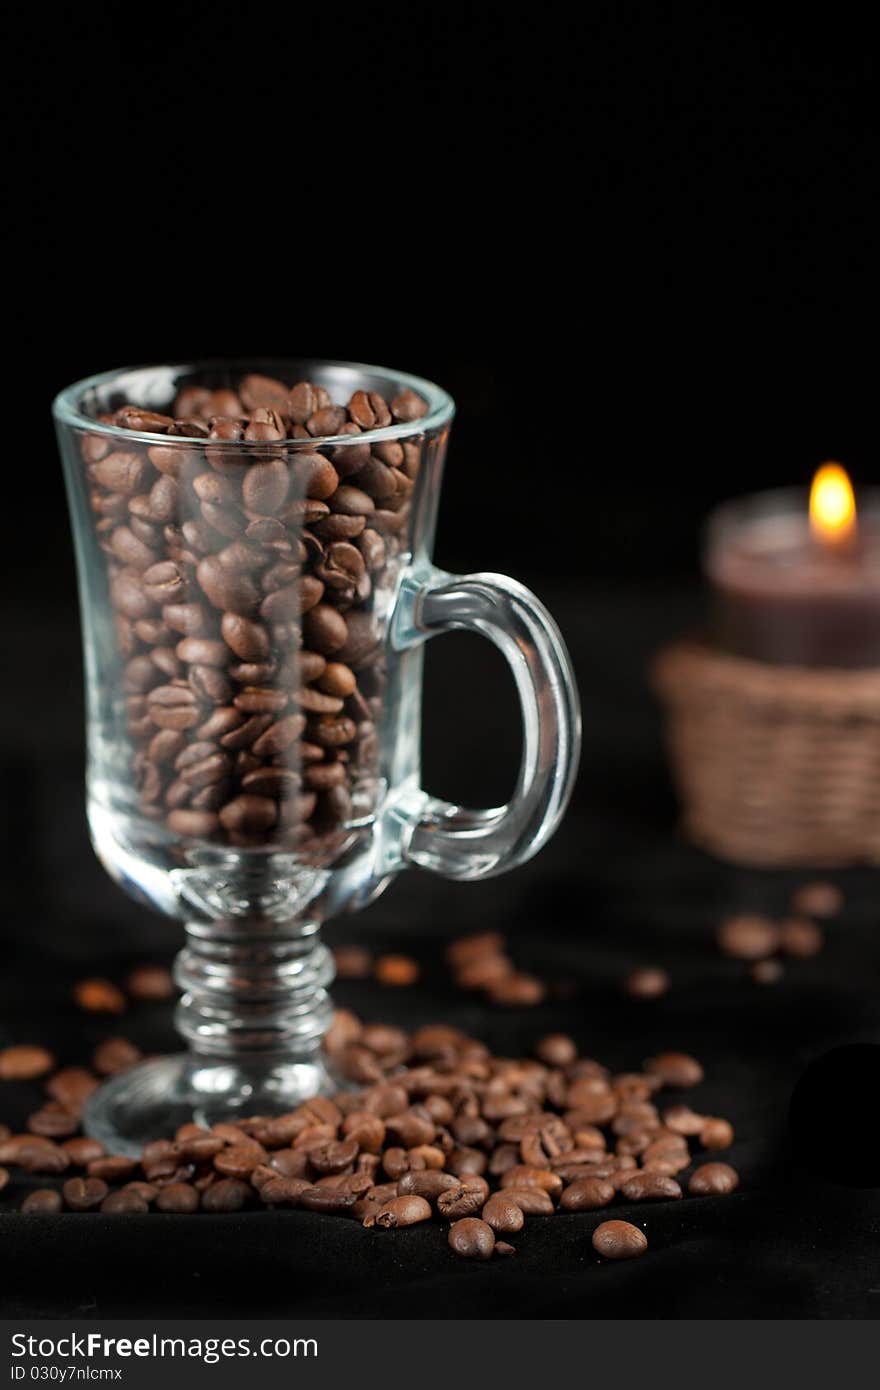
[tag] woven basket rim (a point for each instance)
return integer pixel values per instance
(689, 670)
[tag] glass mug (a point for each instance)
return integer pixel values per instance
(253, 553)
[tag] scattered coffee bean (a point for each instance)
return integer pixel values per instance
(150, 982)
(352, 962)
(43, 1201)
(397, 970)
(650, 1187)
(716, 1134)
(713, 1179)
(403, 1211)
(619, 1240)
(748, 937)
(586, 1194)
(649, 982)
(472, 1239)
(556, 1050)
(675, 1069)
(818, 900)
(23, 1063)
(503, 1249)
(767, 972)
(115, 1055)
(125, 1202)
(800, 937)
(82, 1194)
(503, 1214)
(178, 1198)
(99, 997)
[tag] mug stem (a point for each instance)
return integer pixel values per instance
(254, 990)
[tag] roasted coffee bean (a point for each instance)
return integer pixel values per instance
(408, 1210)
(748, 937)
(463, 1200)
(650, 1187)
(682, 1120)
(25, 1063)
(112, 1167)
(72, 1086)
(54, 1121)
(199, 825)
(115, 1055)
(817, 900)
(716, 1134)
(99, 996)
(556, 1050)
(586, 1194)
(472, 1239)
(82, 1194)
(766, 972)
(249, 814)
(34, 1154)
(125, 1202)
(179, 1198)
(327, 1199)
(43, 1201)
(226, 1195)
(675, 1069)
(352, 962)
(150, 982)
(647, 983)
(82, 1150)
(397, 971)
(503, 1214)
(800, 937)
(325, 629)
(619, 1240)
(713, 1180)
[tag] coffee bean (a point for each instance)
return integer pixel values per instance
(198, 825)
(82, 1194)
(517, 991)
(112, 1167)
(178, 1198)
(25, 1063)
(43, 1201)
(716, 1134)
(463, 1200)
(682, 1120)
(115, 1055)
(713, 1180)
(54, 1121)
(150, 982)
(472, 1239)
(650, 1187)
(675, 1069)
(556, 1050)
(766, 972)
(99, 997)
(800, 937)
(352, 962)
(125, 1202)
(748, 937)
(503, 1215)
(408, 1210)
(817, 900)
(618, 1240)
(586, 1194)
(82, 1150)
(72, 1086)
(646, 983)
(226, 1195)
(249, 814)
(396, 970)
(34, 1154)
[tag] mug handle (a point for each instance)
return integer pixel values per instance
(449, 839)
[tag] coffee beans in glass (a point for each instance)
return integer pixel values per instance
(253, 546)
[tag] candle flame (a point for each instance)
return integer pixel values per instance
(832, 505)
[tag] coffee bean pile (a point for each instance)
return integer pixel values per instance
(244, 559)
(759, 940)
(434, 1127)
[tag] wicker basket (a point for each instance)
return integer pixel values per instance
(775, 766)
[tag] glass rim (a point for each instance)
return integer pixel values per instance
(441, 406)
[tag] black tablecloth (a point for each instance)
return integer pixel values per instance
(615, 889)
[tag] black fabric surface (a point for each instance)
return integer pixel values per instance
(615, 889)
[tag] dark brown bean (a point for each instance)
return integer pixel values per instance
(748, 937)
(179, 1198)
(25, 1063)
(226, 1195)
(675, 1069)
(586, 1194)
(408, 1210)
(472, 1239)
(503, 1214)
(818, 900)
(82, 1194)
(650, 1187)
(800, 937)
(713, 1180)
(43, 1201)
(126, 1202)
(619, 1240)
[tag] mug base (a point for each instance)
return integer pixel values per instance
(152, 1100)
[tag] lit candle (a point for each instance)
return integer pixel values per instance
(797, 582)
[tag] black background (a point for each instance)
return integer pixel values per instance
(634, 247)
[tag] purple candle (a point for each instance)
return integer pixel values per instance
(795, 580)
